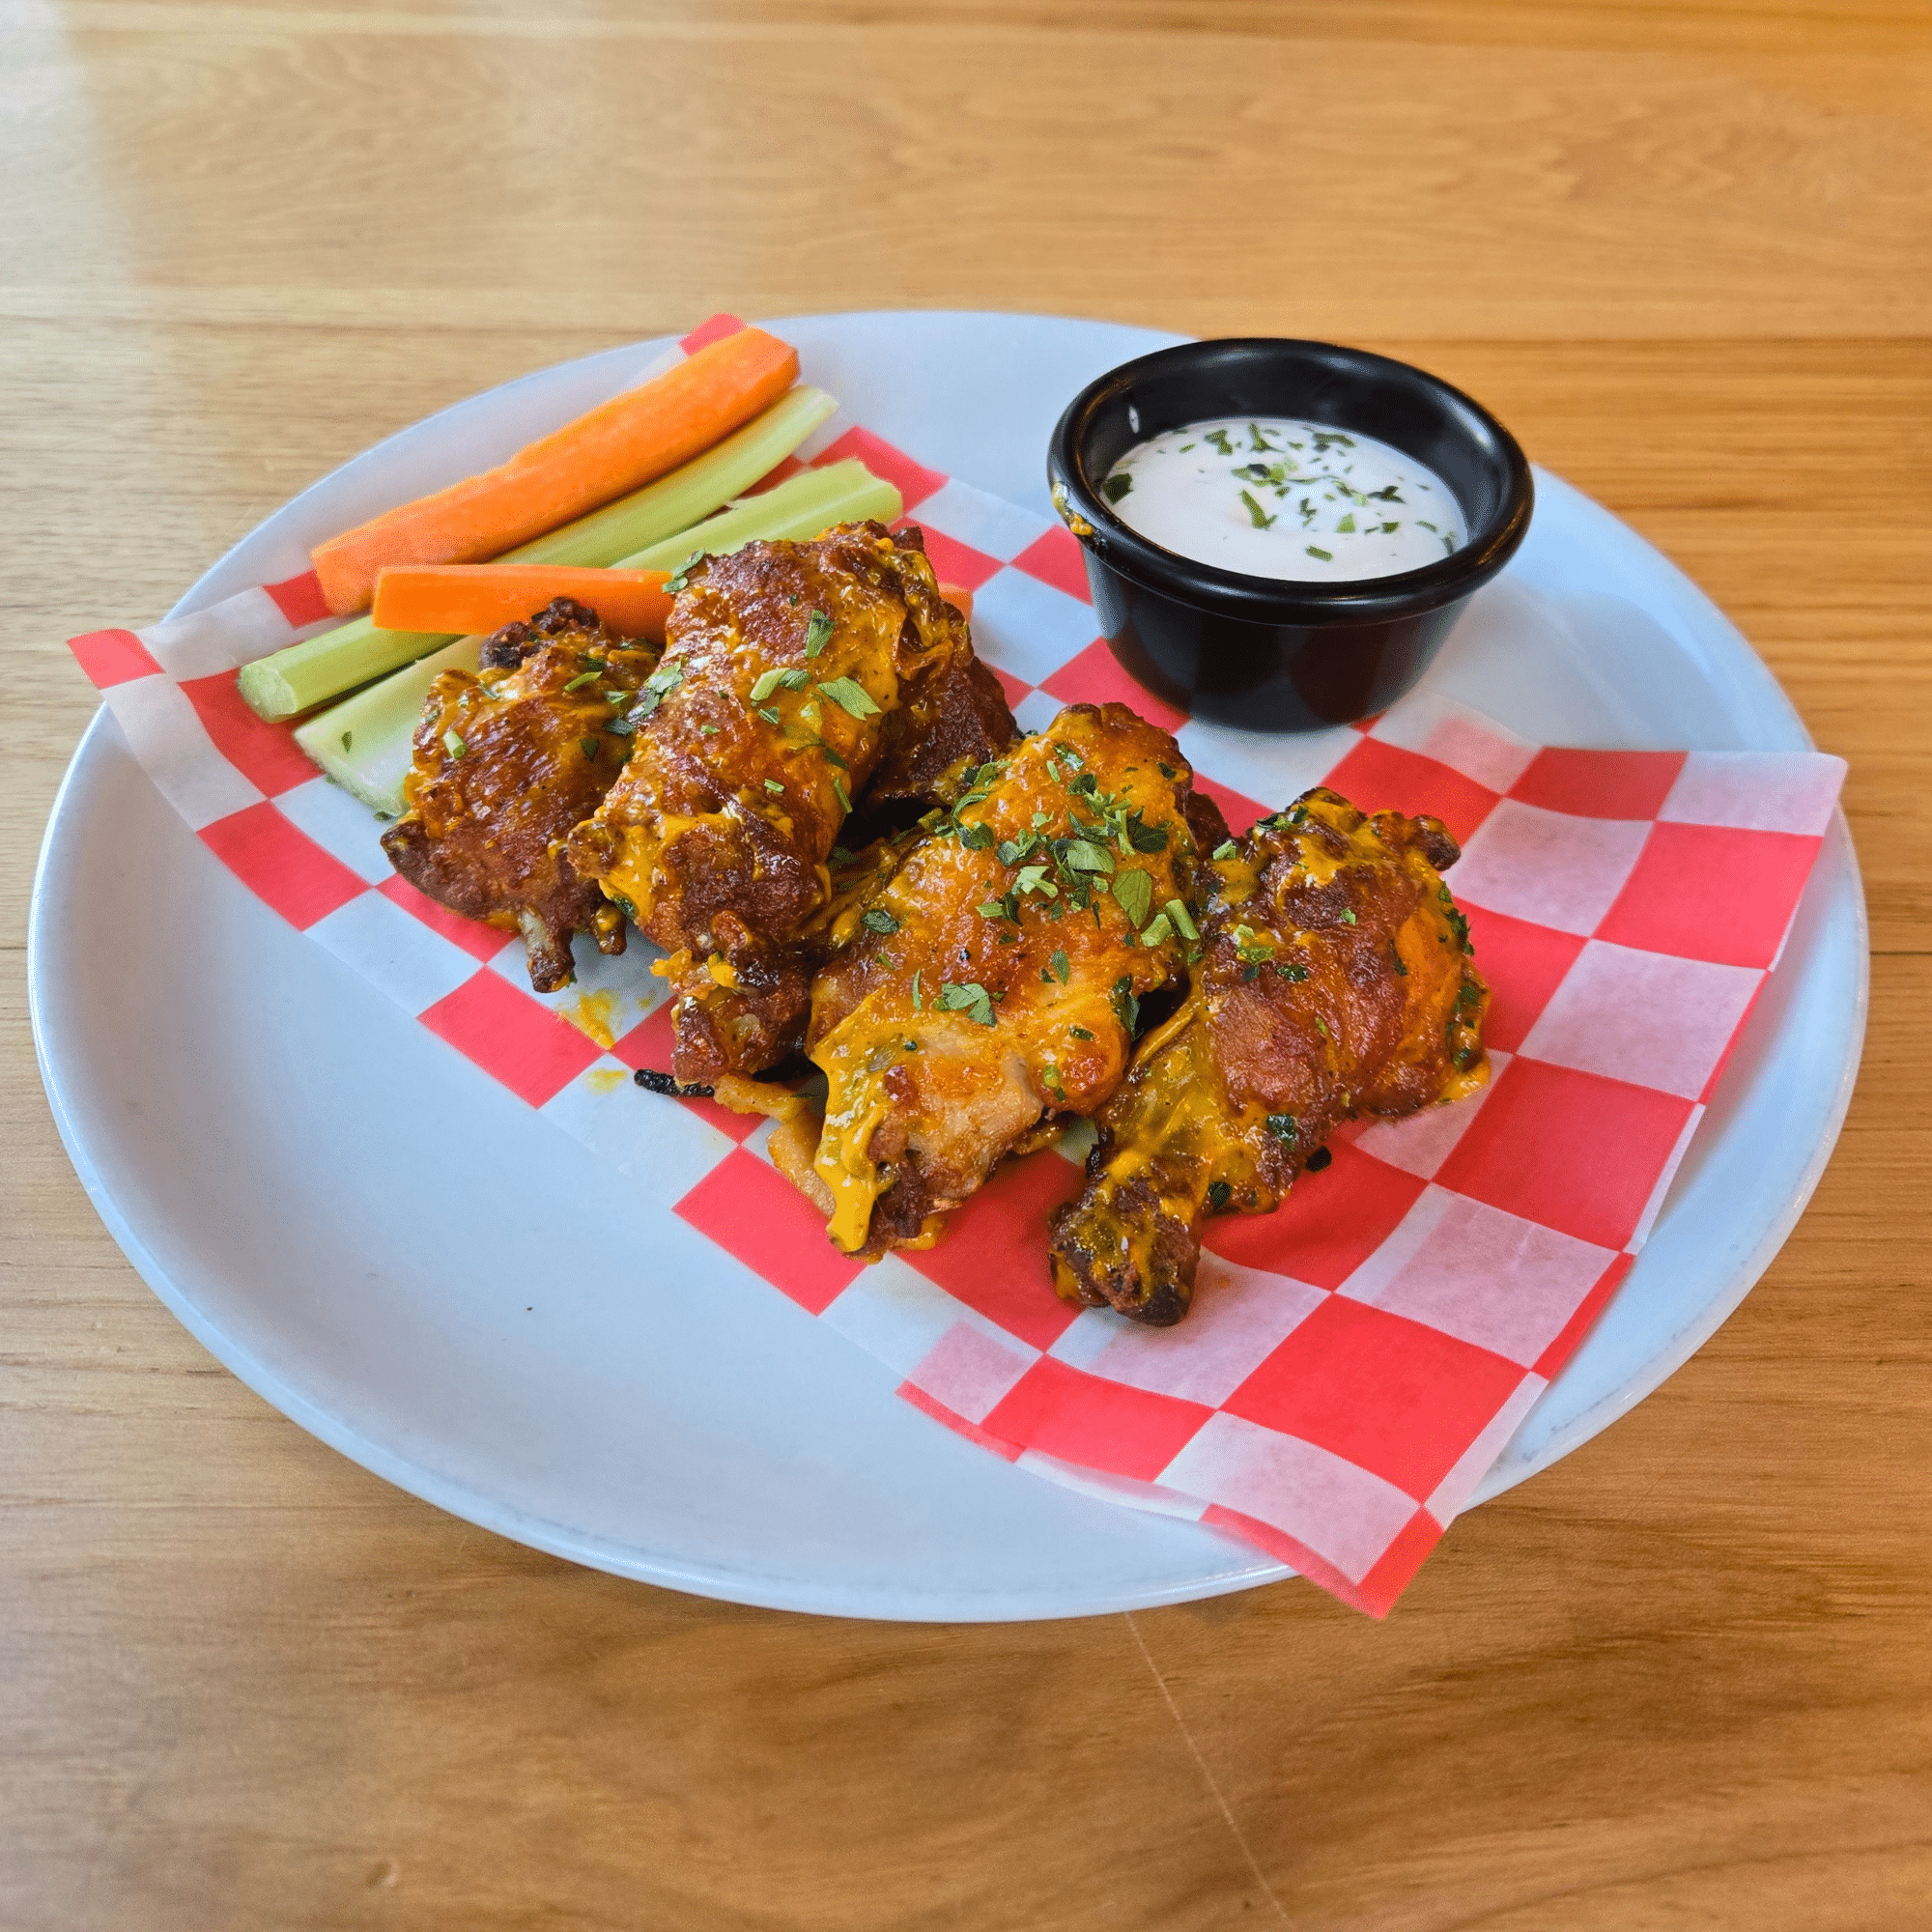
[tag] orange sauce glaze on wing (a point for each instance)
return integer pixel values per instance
(992, 978)
(747, 769)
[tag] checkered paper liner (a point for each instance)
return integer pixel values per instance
(1354, 1362)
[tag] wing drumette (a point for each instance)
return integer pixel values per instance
(1335, 981)
(991, 982)
(505, 762)
(783, 665)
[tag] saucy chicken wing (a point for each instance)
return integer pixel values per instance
(505, 762)
(954, 721)
(1335, 979)
(784, 668)
(989, 970)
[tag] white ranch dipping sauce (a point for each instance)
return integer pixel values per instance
(1270, 496)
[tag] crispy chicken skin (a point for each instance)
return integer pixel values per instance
(1335, 981)
(785, 666)
(988, 970)
(505, 762)
(954, 722)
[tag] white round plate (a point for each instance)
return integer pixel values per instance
(390, 1249)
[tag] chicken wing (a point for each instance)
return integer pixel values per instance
(784, 665)
(954, 721)
(1335, 979)
(505, 762)
(991, 970)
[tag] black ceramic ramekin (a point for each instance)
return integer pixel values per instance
(1259, 651)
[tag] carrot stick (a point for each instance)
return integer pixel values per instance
(613, 449)
(473, 599)
(960, 600)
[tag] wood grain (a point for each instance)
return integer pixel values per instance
(1682, 1680)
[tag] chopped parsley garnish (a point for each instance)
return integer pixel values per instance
(1117, 486)
(1157, 929)
(1347, 526)
(879, 919)
(838, 792)
(1126, 1008)
(1219, 439)
(1316, 549)
(781, 677)
(818, 633)
(1184, 921)
(971, 999)
(1079, 1033)
(850, 696)
(588, 746)
(976, 838)
(1219, 1194)
(348, 739)
(1347, 916)
(1281, 1127)
(1059, 967)
(1134, 891)
(769, 714)
(1257, 516)
(1077, 855)
(583, 678)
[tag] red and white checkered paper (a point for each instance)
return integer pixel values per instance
(1354, 1363)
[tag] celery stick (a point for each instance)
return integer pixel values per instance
(303, 676)
(676, 501)
(804, 505)
(300, 676)
(364, 742)
(381, 722)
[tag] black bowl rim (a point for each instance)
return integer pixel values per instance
(1273, 600)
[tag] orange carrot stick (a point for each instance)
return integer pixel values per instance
(620, 447)
(473, 599)
(960, 600)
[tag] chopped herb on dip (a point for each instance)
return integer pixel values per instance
(1215, 491)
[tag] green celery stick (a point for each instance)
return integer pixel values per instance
(381, 721)
(841, 492)
(676, 501)
(364, 742)
(301, 676)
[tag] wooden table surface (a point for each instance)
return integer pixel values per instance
(1684, 1679)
